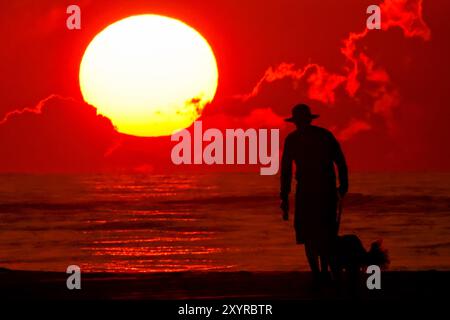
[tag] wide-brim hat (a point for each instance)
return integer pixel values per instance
(301, 112)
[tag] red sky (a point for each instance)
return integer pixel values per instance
(390, 113)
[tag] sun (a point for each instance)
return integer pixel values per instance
(149, 74)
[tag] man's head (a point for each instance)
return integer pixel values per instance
(301, 115)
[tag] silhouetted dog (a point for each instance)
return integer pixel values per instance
(353, 257)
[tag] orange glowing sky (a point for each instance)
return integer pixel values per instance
(382, 93)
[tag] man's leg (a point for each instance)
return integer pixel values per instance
(334, 264)
(323, 264)
(313, 261)
(325, 274)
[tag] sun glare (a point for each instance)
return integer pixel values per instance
(151, 75)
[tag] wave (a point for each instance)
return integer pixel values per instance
(353, 201)
(397, 203)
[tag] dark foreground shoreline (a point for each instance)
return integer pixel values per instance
(35, 285)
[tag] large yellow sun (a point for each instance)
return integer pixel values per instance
(151, 75)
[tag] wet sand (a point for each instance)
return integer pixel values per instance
(33, 285)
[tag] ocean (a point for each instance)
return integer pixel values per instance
(210, 221)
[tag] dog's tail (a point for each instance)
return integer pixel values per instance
(378, 255)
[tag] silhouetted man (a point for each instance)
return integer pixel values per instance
(315, 151)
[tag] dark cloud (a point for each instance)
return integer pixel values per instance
(361, 74)
(57, 135)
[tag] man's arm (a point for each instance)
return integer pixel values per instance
(285, 178)
(342, 169)
(286, 171)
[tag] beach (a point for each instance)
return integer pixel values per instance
(14, 285)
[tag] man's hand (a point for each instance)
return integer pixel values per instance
(284, 206)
